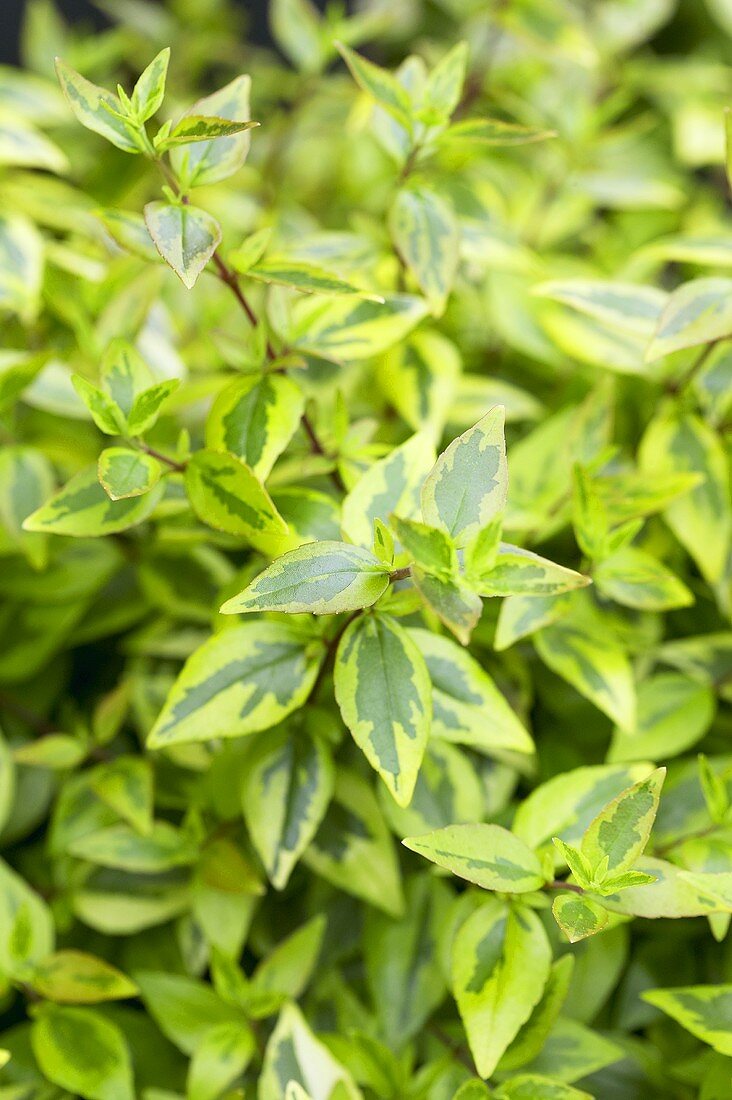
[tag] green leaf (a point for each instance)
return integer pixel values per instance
(126, 785)
(21, 266)
(288, 969)
(250, 251)
(17, 371)
(445, 84)
(147, 405)
(677, 443)
(124, 375)
(382, 688)
(82, 508)
(192, 128)
(147, 95)
(615, 839)
(625, 306)
(418, 377)
(501, 961)
(468, 484)
(353, 849)
(704, 1010)
(255, 418)
(297, 28)
(467, 706)
(578, 916)
(82, 1052)
(426, 237)
(323, 578)
(26, 925)
(342, 329)
(91, 105)
(107, 416)
(224, 1053)
(240, 681)
(306, 277)
(122, 848)
(493, 131)
(518, 572)
(429, 547)
(674, 712)
(295, 1054)
(55, 750)
(124, 472)
(696, 313)
(185, 236)
(596, 667)
(521, 616)
(534, 1086)
(185, 1009)
(287, 786)
(384, 88)
(225, 494)
(129, 231)
(215, 159)
(26, 480)
(74, 977)
(635, 578)
(488, 855)
(452, 601)
(391, 485)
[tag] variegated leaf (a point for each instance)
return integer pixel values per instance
(467, 706)
(89, 103)
(635, 578)
(82, 508)
(344, 329)
(240, 681)
(452, 601)
(518, 572)
(579, 916)
(390, 485)
(696, 313)
(124, 472)
(488, 855)
(212, 160)
(255, 418)
(468, 484)
(185, 236)
(295, 1055)
(615, 839)
(225, 494)
(704, 1010)
(323, 578)
(383, 691)
(426, 237)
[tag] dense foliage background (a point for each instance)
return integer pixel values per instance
(268, 369)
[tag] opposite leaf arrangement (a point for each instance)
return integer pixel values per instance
(279, 562)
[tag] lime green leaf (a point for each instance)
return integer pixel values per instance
(677, 443)
(222, 1055)
(26, 480)
(425, 234)
(595, 666)
(501, 959)
(578, 916)
(287, 970)
(185, 236)
(121, 847)
(533, 1035)
(192, 128)
(225, 494)
(82, 1052)
(22, 146)
(255, 418)
(294, 1054)
(21, 266)
(90, 104)
(452, 601)
(674, 712)
(306, 277)
(129, 231)
(521, 616)
(82, 508)
(147, 95)
(124, 374)
(343, 329)
(446, 80)
(390, 485)
(252, 249)
(383, 691)
(105, 413)
(298, 29)
(467, 706)
(704, 1010)
(324, 578)
(625, 306)
(493, 131)
(467, 486)
(419, 376)
(517, 572)
(74, 977)
(615, 839)
(286, 789)
(17, 371)
(215, 159)
(55, 751)
(696, 313)
(26, 925)
(635, 578)
(488, 855)
(384, 88)
(534, 1086)
(126, 785)
(353, 849)
(429, 547)
(147, 405)
(184, 1008)
(125, 473)
(240, 681)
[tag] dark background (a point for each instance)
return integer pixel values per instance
(11, 16)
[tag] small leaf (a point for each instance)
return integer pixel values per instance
(295, 1055)
(488, 855)
(185, 236)
(222, 1055)
(147, 95)
(468, 484)
(344, 329)
(625, 306)
(57, 751)
(214, 159)
(383, 691)
(125, 473)
(240, 681)
(452, 601)
(426, 236)
(147, 405)
(384, 88)
(323, 578)
(225, 494)
(636, 579)
(107, 416)
(192, 128)
(578, 916)
(615, 839)
(446, 80)
(74, 977)
(90, 102)
(696, 313)
(306, 277)
(493, 131)
(518, 572)
(429, 547)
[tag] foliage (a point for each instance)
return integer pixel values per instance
(365, 530)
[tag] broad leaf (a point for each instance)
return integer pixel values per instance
(578, 916)
(74, 977)
(222, 1055)
(124, 472)
(426, 236)
(617, 836)
(635, 578)
(696, 313)
(391, 485)
(518, 572)
(82, 508)
(295, 1054)
(185, 236)
(488, 855)
(255, 418)
(209, 161)
(81, 1051)
(226, 494)
(89, 103)
(704, 1010)
(343, 329)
